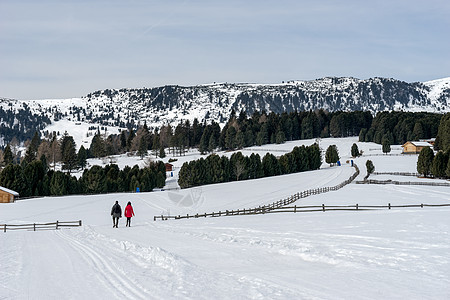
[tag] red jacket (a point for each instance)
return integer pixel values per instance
(129, 211)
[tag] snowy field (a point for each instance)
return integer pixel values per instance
(379, 254)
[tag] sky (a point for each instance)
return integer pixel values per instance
(69, 48)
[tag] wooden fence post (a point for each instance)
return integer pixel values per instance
(295, 208)
(389, 205)
(34, 226)
(356, 206)
(79, 223)
(5, 228)
(323, 207)
(421, 205)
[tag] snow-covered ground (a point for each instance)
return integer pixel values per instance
(379, 254)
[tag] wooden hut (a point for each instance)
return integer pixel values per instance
(7, 195)
(169, 167)
(415, 147)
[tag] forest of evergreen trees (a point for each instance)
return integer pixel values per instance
(35, 179)
(240, 131)
(218, 169)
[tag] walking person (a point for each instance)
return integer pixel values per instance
(129, 213)
(116, 213)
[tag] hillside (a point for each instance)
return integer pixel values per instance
(214, 102)
(331, 255)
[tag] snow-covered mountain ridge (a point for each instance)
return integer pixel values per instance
(214, 102)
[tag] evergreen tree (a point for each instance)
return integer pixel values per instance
(162, 153)
(7, 156)
(425, 161)
(68, 153)
(386, 146)
(82, 157)
(447, 171)
(212, 145)
(98, 148)
(230, 138)
(331, 155)
(280, 137)
(131, 136)
(355, 150)
(362, 135)
(142, 148)
(240, 140)
(315, 157)
(31, 152)
(270, 165)
(58, 184)
(439, 165)
(370, 167)
(443, 135)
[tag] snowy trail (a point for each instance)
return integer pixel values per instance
(382, 254)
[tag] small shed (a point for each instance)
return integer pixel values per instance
(415, 147)
(7, 195)
(169, 167)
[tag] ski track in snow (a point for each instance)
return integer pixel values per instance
(383, 254)
(157, 272)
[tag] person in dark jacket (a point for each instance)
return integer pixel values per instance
(129, 213)
(116, 213)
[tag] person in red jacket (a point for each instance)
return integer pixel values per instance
(129, 213)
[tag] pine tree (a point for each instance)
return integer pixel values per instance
(82, 157)
(439, 165)
(443, 136)
(331, 155)
(162, 153)
(370, 167)
(386, 146)
(142, 148)
(425, 161)
(31, 152)
(68, 153)
(98, 148)
(355, 150)
(7, 156)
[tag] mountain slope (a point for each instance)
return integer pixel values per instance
(214, 102)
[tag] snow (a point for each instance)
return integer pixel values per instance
(437, 87)
(376, 254)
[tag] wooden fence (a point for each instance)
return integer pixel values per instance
(269, 207)
(297, 209)
(40, 226)
(397, 173)
(371, 181)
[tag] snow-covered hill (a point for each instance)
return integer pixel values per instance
(388, 254)
(214, 102)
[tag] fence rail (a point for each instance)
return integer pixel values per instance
(372, 181)
(40, 226)
(297, 209)
(397, 173)
(268, 207)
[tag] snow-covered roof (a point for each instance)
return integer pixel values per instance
(420, 144)
(9, 191)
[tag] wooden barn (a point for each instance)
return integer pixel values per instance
(7, 195)
(415, 147)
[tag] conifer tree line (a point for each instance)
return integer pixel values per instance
(32, 175)
(397, 127)
(219, 169)
(434, 165)
(35, 179)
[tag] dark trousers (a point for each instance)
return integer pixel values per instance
(115, 221)
(128, 222)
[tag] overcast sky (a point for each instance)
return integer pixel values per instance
(63, 49)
